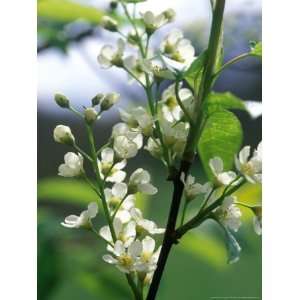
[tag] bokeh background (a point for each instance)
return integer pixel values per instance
(69, 261)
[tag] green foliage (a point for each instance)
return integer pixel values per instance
(194, 73)
(205, 248)
(68, 11)
(256, 49)
(221, 101)
(222, 136)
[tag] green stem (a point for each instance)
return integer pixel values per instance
(229, 63)
(134, 288)
(186, 113)
(75, 111)
(204, 214)
(84, 154)
(99, 180)
(189, 152)
(158, 131)
(205, 86)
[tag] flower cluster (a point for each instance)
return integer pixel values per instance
(164, 129)
(129, 236)
(228, 213)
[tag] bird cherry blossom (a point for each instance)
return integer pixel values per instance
(73, 165)
(84, 219)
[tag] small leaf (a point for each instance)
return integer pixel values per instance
(256, 49)
(222, 136)
(233, 247)
(221, 101)
(194, 73)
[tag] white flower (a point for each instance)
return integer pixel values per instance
(110, 56)
(139, 181)
(144, 225)
(84, 220)
(175, 135)
(122, 129)
(192, 189)
(124, 147)
(153, 22)
(73, 165)
(136, 67)
(170, 108)
(133, 36)
(116, 199)
(124, 259)
(158, 69)
(177, 48)
(154, 147)
(124, 232)
(217, 167)
(63, 134)
(250, 168)
(109, 100)
(148, 257)
(229, 214)
(138, 118)
(90, 115)
(112, 171)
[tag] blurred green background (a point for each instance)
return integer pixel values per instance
(70, 266)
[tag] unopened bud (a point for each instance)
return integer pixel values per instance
(62, 134)
(90, 115)
(109, 24)
(109, 100)
(96, 100)
(62, 100)
(170, 14)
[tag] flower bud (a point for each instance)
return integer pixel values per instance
(90, 115)
(96, 100)
(62, 134)
(109, 24)
(170, 14)
(62, 100)
(109, 100)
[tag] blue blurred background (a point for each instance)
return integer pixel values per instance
(69, 261)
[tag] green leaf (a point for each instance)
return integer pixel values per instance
(233, 247)
(204, 247)
(194, 73)
(68, 11)
(222, 136)
(221, 101)
(256, 49)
